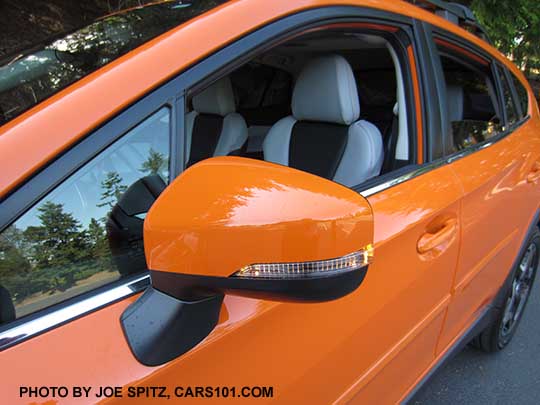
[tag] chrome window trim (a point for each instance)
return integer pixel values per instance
(425, 168)
(68, 313)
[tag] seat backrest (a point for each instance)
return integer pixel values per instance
(455, 99)
(324, 135)
(213, 128)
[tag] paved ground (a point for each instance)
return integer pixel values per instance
(509, 377)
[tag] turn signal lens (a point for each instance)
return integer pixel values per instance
(298, 270)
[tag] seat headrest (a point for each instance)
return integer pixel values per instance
(456, 101)
(218, 99)
(326, 91)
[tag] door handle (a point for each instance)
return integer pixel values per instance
(534, 174)
(430, 241)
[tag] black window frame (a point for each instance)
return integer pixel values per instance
(499, 67)
(512, 78)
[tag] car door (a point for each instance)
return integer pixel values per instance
(492, 160)
(370, 346)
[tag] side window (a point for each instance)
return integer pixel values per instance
(523, 96)
(473, 109)
(331, 102)
(263, 96)
(509, 105)
(88, 231)
(262, 93)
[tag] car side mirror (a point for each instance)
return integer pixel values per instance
(231, 225)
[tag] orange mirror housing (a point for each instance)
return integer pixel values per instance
(226, 213)
(232, 225)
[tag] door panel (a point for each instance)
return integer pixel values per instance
(498, 205)
(412, 287)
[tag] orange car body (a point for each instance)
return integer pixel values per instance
(372, 346)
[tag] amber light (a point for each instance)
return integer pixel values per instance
(298, 270)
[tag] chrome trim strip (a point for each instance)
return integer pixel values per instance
(403, 178)
(48, 321)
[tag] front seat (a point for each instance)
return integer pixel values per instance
(213, 128)
(324, 135)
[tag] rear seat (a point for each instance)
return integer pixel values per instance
(214, 128)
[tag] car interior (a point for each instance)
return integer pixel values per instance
(331, 103)
(473, 109)
(327, 103)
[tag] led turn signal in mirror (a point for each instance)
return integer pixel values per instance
(320, 268)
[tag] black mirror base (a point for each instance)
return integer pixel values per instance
(159, 327)
(310, 289)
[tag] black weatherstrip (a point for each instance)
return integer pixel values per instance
(433, 92)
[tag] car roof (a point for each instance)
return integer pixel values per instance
(34, 138)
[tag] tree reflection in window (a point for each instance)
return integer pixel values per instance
(61, 248)
(30, 77)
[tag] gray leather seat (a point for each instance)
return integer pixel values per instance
(324, 135)
(213, 128)
(456, 100)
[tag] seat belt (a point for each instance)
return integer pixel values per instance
(391, 146)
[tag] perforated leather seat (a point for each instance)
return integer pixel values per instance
(213, 128)
(324, 135)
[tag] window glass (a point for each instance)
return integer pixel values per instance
(262, 93)
(31, 76)
(72, 240)
(511, 111)
(523, 96)
(471, 97)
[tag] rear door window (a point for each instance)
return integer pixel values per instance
(472, 103)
